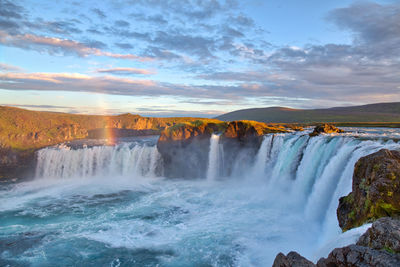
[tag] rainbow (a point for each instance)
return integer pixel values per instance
(107, 123)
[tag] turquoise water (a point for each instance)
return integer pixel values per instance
(124, 213)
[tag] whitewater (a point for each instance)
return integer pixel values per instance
(112, 206)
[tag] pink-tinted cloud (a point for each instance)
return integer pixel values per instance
(54, 45)
(8, 67)
(126, 71)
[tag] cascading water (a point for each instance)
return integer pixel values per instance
(213, 158)
(285, 200)
(124, 159)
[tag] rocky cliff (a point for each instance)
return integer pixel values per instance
(244, 137)
(375, 190)
(184, 147)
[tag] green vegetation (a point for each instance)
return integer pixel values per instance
(388, 249)
(374, 115)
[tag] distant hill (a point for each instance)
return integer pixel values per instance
(381, 112)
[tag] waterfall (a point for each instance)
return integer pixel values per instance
(263, 155)
(289, 189)
(213, 158)
(300, 173)
(311, 174)
(126, 159)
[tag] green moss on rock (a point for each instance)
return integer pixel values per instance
(375, 192)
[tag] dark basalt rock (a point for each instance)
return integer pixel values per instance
(184, 149)
(16, 164)
(384, 234)
(292, 259)
(243, 139)
(325, 128)
(358, 256)
(375, 190)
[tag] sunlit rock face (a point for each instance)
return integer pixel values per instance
(325, 128)
(376, 190)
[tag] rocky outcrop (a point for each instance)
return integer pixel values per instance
(292, 259)
(359, 256)
(325, 128)
(246, 137)
(375, 190)
(184, 149)
(384, 234)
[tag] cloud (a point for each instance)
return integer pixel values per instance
(10, 10)
(367, 70)
(124, 45)
(54, 27)
(47, 107)
(208, 41)
(77, 82)
(157, 19)
(160, 29)
(198, 45)
(121, 23)
(99, 13)
(370, 22)
(193, 9)
(59, 46)
(171, 112)
(7, 67)
(246, 76)
(125, 71)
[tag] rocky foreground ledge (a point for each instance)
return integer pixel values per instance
(379, 246)
(375, 197)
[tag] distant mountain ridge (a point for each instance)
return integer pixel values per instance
(380, 112)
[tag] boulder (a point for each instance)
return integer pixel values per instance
(375, 190)
(292, 259)
(325, 128)
(384, 234)
(359, 256)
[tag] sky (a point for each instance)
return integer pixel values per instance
(197, 57)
